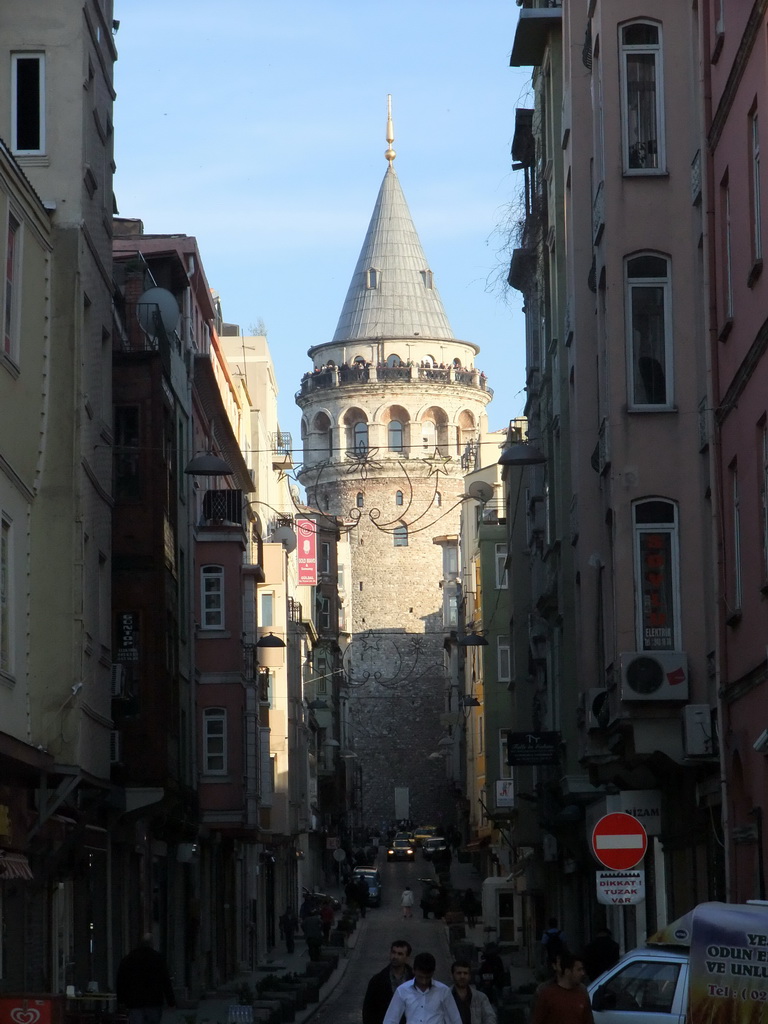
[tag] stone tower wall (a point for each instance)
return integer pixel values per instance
(395, 663)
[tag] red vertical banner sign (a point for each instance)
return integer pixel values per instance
(306, 532)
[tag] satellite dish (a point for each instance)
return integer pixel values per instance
(480, 490)
(154, 304)
(286, 536)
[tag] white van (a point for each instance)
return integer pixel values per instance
(710, 965)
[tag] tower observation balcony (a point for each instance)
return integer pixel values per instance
(356, 375)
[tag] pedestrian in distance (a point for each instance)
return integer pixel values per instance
(362, 895)
(288, 924)
(474, 1006)
(327, 919)
(309, 906)
(565, 1001)
(382, 986)
(423, 1000)
(553, 943)
(601, 953)
(469, 907)
(492, 973)
(313, 933)
(143, 984)
(406, 901)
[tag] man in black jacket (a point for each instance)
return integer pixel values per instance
(143, 984)
(381, 987)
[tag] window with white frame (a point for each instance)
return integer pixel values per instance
(649, 331)
(503, 659)
(657, 575)
(215, 741)
(502, 576)
(28, 103)
(757, 235)
(642, 94)
(11, 288)
(212, 596)
(736, 588)
(5, 595)
(267, 616)
(450, 561)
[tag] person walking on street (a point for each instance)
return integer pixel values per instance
(565, 1001)
(327, 919)
(474, 1007)
(288, 924)
(469, 907)
(143, 984)
(406, 901)
(423, 1000)
(362, 894)
(601, 953)
(382, 986)
(313, 933)
(553, 943)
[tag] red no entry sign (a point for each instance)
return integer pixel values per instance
(619, 841)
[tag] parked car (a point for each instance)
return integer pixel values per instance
(434, 847)
(400, 849)
(373, 881)
(321, 897)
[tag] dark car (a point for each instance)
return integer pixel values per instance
(400, 849)
(434, 848)
(373, 881)
(320, 897)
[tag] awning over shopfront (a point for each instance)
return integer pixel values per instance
(14, 865)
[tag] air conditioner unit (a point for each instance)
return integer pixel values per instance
(118, 681)
(596, 707)
(654, 676)
(698, 740)
(115, 747)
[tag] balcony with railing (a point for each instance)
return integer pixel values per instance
(282, 450)
(368, 374)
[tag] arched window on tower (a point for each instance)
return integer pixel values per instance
(360, 438)
(359, 501)
(372, 278)
(438, 499)
(395, 436)
(398, 497)
(400, 536)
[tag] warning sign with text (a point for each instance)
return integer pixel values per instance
(620, 888)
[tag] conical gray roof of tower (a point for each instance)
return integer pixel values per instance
(402, 305)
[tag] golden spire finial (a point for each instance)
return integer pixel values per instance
(390, 153)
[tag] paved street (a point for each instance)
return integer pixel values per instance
(382, 925)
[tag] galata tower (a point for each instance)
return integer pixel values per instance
(392, 412)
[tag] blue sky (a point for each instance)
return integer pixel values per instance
(258, 126)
